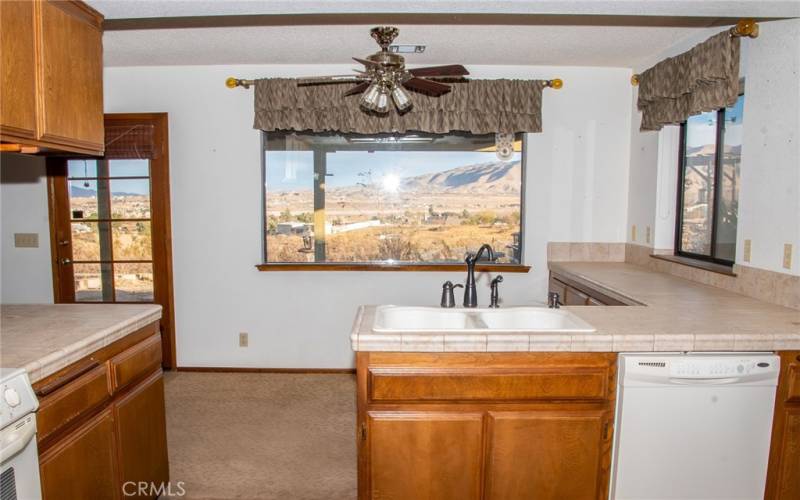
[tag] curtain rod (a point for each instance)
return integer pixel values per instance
(232, 83)
(745, 27)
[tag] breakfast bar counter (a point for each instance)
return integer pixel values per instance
(675, 315)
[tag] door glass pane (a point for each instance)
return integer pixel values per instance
(130, 198)
(128, 168)
(698, 183)
(132, 240)
(83, 199)
(82, 168)
(92, 282)
(90, 241)
(728, 204)
(133, 282)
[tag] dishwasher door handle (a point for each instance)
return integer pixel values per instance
(703, 381)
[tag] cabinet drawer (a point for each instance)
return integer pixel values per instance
(136, 362)
(584, 384)
(793, 395)
(65, 404)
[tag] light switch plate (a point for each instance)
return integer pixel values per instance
(787, 255)
(748, 244)
(26, 240)
(243, 340)
(633, 232)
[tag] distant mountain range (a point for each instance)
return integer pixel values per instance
(79, 192)
(711, 149)
(496, 177)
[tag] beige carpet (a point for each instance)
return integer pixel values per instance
(262, 436)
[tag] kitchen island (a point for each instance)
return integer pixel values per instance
(510, 414)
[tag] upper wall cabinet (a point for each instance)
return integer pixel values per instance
(52, 75)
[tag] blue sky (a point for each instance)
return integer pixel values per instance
(703, 130)
(118, 168)
(293, 170)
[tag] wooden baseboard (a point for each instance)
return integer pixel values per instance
(231, 369)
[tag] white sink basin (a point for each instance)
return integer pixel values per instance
(409, 319)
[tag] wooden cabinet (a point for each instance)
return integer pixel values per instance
(547, 455)
(102, 422)
(142, 433)
(82, 465)
(783, 478)
(52, 75)
(425, 455)
(485, 425)
(572, 293)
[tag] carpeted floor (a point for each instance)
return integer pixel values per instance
(262, 436)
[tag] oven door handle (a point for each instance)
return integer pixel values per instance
(16, 437)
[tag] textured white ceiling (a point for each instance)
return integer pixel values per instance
(465, 44)
(121, 9)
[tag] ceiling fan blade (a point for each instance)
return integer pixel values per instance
(440, 71)
(361, 87)
(366, 62)
(426, 86)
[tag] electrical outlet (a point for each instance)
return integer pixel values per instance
(787, 255)
(633, 232)
(243, 340)
(648, 234)
(26, 240)
(748, 247)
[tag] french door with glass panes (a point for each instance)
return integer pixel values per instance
(111, 222)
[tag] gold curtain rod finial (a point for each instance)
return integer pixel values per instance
(745, 27)
(556, 83)
(232, 83)
(634, 79)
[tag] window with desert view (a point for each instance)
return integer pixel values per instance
(412, 198)
(110, 212)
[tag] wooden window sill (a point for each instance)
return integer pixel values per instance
(697, 264)
(460, 268)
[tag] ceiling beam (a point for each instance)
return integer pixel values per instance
(150, 23)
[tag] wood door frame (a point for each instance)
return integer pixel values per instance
(160, 220)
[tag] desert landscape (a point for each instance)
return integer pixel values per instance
(434, 217)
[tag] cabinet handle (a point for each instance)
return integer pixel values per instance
(363, 431)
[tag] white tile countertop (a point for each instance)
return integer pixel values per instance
(43, 338)
(676, 315)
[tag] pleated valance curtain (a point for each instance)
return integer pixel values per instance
(704, 78)
(475, 106)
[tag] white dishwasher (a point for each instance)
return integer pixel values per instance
(693, 426)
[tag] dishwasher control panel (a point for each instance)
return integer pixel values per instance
(724, 367)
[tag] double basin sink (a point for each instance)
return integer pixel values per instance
(410, 319)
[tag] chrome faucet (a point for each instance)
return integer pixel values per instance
(470, 292)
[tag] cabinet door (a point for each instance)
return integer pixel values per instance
(17, 70)
(72, 76)
(142, 434)
(575, 298)
(82, 464)
(547, 455)
(425, 455)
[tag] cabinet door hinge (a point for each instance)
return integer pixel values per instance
(363, 431)
(607, 430)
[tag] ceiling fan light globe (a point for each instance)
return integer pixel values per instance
(401, 98)
(370, 96)
(382, 106)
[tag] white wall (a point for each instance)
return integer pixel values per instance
(576, 184)
(26, 272)
(769, 204)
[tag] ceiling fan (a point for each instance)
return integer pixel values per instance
(385, 75)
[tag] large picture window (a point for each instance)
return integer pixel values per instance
(390, 199)
(708, 190)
